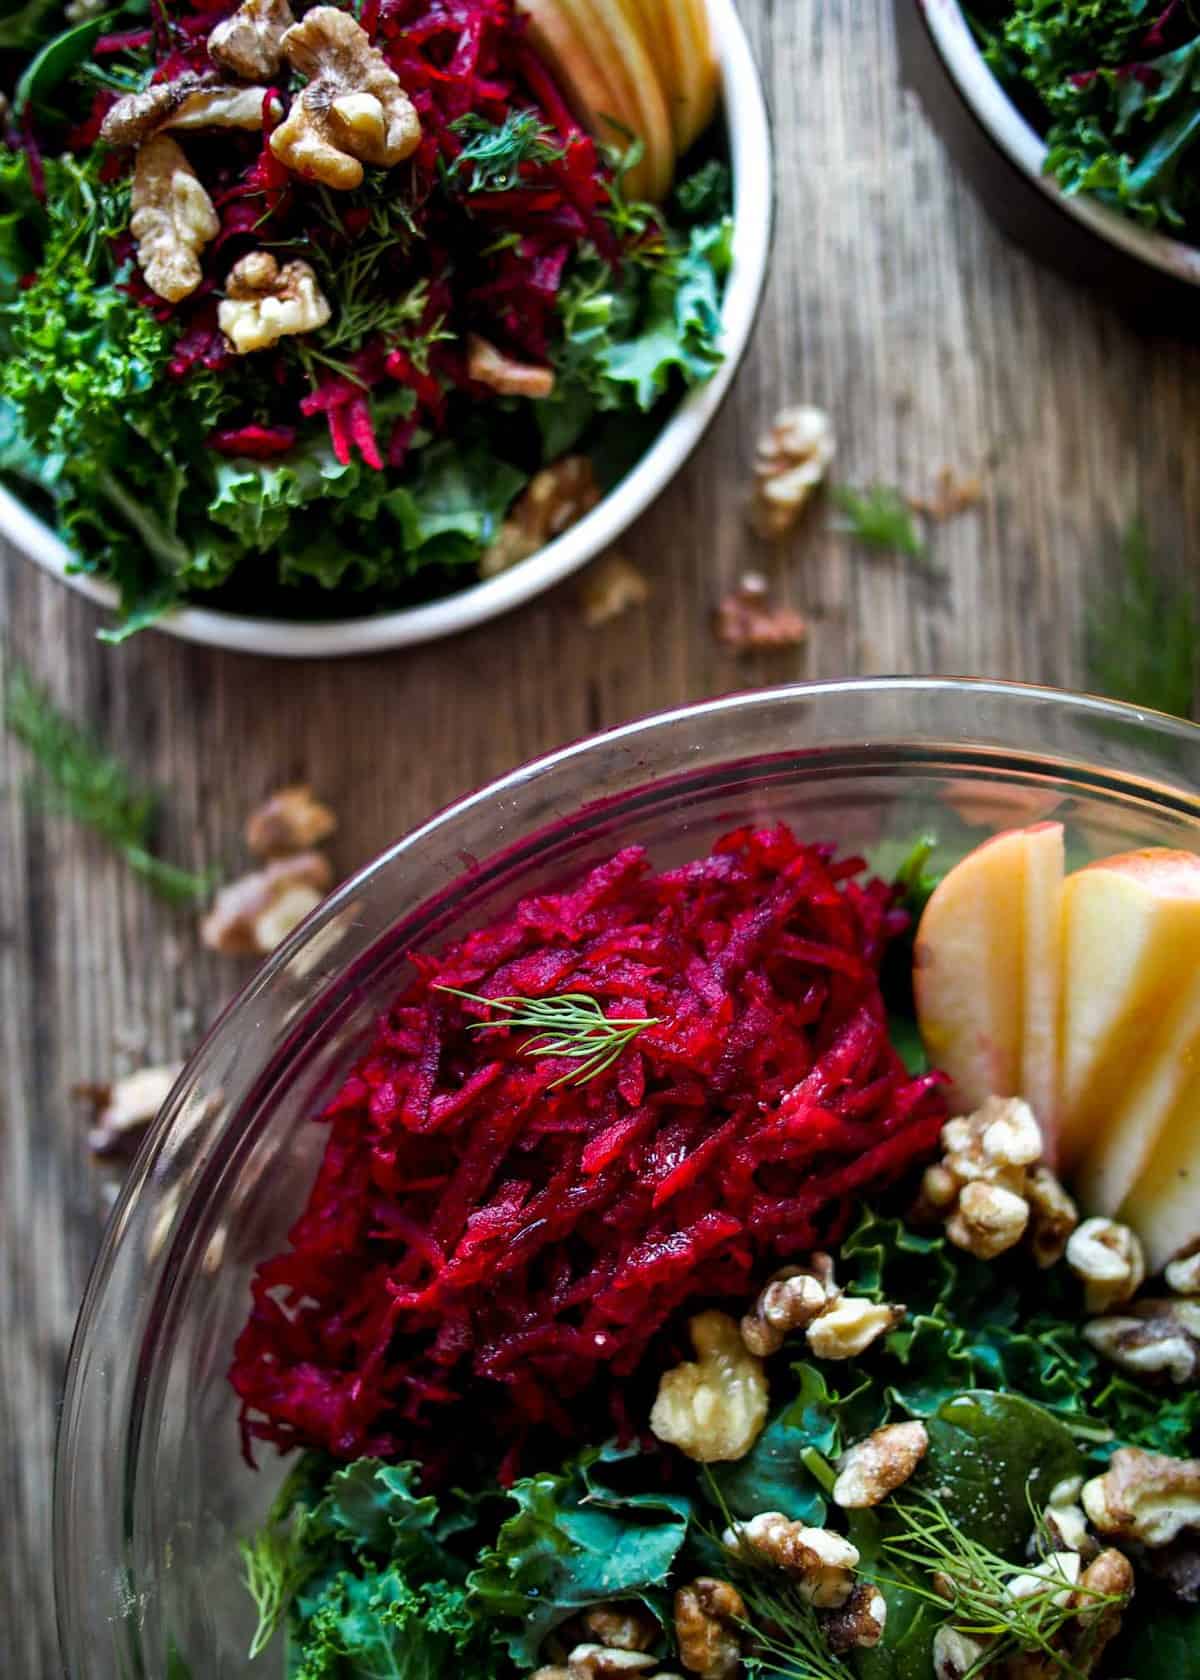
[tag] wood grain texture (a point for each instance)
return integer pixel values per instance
(893, 304)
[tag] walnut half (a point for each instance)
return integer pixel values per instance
(250, 43)
(353, 110)
(173, 219)
(712, 1409)
(264, 303)
(1144, 1496)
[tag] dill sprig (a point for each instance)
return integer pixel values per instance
(784, 1629)
(85, 781)
(1143, 637)
(971, 1583)
(496, 152)
(879, 517)
(570, 1027)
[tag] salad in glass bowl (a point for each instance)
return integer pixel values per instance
(739, 1225)
(315, 311)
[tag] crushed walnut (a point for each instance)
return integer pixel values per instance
(954, 494)
(252, 916)
(708, 1614)
(503, 374)
(859, 1624)
(250, 43)
(1156, 1338)
(749, 621)
(555, 499)
(264, 302)
(290, 820)
(1144, 1496)
(791, 1301)
(1107, 1257)
(793, 458)
(820, 1561)
(352, 110)
(173, 219)
(610, 589)
(126, 1107)
(190, 101)
(875, 1467)
(990, 1189)
(621, 1626)
(1183, 1275)
(713, 1408)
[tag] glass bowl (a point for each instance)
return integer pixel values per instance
(151, 1493)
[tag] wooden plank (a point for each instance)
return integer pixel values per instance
(894, 304)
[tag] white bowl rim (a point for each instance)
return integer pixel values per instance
(750, 145)
(1024, 146)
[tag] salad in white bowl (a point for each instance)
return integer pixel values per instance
(310, 314)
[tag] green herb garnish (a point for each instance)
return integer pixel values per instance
(495, 152)
(571, 1026)
(880, 517)
(973, 1586)
(82, 779)
(1144, 636)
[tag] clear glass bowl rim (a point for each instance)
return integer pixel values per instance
(946, 704)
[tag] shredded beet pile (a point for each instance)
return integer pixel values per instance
(488, 1250)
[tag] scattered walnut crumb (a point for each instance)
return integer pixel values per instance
(953, 494)
(748, 620)
(250, 917)
(610, 588)
(793, 458)
(290, 820)
(127, 1105)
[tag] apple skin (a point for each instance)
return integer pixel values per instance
(1131, 936)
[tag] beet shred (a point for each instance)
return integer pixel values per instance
(486, 1257)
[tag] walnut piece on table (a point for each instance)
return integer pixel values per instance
(251, 916)
(793, 458)
(290, 820)
(954, 493)
(250, 43)
(264, 302)
(127, 1105)
(611, 588)
(353, 110)
(748, 620)
(173, 219)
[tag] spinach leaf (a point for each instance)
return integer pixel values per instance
(48, 70)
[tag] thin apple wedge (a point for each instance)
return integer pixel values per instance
(987, 972)
(1131, 931)
(695, 83)
(1164, 1205)
(630, 66)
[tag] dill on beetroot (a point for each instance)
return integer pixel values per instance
(361, 463)
(492, 1246)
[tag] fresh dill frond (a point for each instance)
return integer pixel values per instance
(274, 1575)
(971, 1584)
(879, 517)
(785, 1629)
(571, 1026)
(79, 777)
(1143, 637)
(496, 152)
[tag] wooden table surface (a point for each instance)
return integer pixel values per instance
(894, 305)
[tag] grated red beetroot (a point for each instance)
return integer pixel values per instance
(483, 1250)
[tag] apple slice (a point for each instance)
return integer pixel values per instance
(1164, 1205)
(986, 971)
(695, 83)
(1131, 952)
(632, 70)
(1149, 1116)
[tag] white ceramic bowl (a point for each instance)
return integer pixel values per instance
(750, 146)
(1024, 147)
